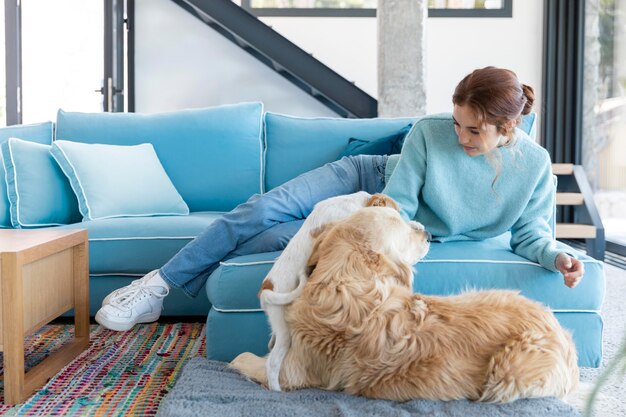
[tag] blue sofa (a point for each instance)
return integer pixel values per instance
(217, 158)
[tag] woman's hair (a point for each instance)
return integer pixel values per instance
(496, 96)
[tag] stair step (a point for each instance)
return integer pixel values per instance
(562, 169)
(575, 231)
(569, 199)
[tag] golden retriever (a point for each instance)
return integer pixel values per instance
(359, 328)
(286, 280)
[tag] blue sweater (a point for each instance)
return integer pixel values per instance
(451, 193)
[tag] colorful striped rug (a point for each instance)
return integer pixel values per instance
(121, 373)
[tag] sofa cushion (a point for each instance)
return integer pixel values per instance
(296, 144)
(39, 194)
(137, 245)
(529, 125)
(448, 268)
(388, 145)
(230, 333)
(118, 181)
(38, 133)
(212, 155)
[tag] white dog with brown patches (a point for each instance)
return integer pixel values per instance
(358, 327)
(285, 281)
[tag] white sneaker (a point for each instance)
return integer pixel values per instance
(139, 302)
(130, 288)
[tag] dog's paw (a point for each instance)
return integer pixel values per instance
(251, 366)
(382, 200)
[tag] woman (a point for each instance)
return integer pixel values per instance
(471, 176)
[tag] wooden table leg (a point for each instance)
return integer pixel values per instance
(81, 292)
(13, 329)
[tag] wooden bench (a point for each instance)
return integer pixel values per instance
(575, 204)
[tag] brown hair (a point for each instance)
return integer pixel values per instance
(496, 96)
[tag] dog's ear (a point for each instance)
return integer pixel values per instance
(382, 200)
(318, 236)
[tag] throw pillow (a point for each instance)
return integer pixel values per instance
(387, 145)
(39, 194)
(39, 133)
(118, 181)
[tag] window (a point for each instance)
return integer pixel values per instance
(59, 68)
(58, 54)
(367, 8)
(3, 91)
(604, 115)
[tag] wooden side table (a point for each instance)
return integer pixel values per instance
(43, 274)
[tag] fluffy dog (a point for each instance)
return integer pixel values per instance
(285, 281)
(359, 328)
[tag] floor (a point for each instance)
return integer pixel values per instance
(612, 402)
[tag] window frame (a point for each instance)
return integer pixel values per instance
(504, 12)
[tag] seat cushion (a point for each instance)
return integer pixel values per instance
(449, 268)
(212, 155)
(136, 245)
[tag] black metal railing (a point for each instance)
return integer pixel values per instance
(286, 58)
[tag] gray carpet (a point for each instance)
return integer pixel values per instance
(209, 389)
(204, 386)
(612, 402)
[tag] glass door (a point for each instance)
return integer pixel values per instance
(62, 57)
(3, 90)
(604, 121)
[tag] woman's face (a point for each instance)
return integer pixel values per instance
(474, 138)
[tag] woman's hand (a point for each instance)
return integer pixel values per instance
(571, 268)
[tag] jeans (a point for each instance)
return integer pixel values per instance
(253, 226)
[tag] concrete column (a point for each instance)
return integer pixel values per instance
(401, 57)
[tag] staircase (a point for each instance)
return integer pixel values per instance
(574, 199)
(283, 56)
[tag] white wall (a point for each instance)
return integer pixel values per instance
(180, 62)
(455, 46)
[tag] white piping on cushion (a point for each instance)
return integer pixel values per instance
(495, 261)
(98, 239)
(486, 261)
(226, 263)
(290, 116)
(262, 150)
(575, 311)
(246, 263)
(238, 310)
(264, 155)
(110, 274)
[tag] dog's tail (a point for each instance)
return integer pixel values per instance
(271, 297)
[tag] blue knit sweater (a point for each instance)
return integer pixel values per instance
(452, 194)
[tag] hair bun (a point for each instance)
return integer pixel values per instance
(529, 93)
